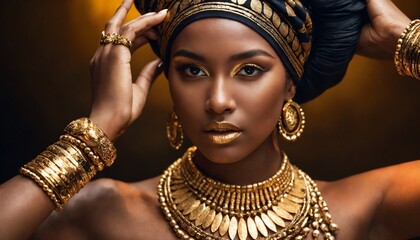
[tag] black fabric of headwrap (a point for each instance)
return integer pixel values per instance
(285, 25)
(336, 29)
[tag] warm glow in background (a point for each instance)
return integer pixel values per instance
(369, 120)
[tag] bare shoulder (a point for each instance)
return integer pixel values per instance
(357, 202)
(108, 209)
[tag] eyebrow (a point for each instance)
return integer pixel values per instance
(188, 54)
(240, 56)
(249, 54)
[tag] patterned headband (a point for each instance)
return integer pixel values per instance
(316, 59)
(286, 25)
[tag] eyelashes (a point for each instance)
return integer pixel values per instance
(242, 70)
(248, 70)
(192, 70)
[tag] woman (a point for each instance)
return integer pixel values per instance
(228, 103)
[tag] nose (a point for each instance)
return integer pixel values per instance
(220, 97)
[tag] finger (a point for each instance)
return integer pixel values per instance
(148, 75)
(140, 25)
(138, 42)
(143, 39)
(119, 16)
(142, 85)
(122, 11)
(148, 14)
(142, 17)
(151, 34)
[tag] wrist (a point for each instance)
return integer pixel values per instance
(107, 125)
(397, 29)
(407, 53)
(69, 164)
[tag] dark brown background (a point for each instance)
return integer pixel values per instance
(370, 120)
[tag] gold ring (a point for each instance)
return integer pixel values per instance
(116, 39)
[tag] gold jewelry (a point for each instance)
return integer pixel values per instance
(85, 130)
(287, 205)
(291, 121)
(26, 172)
(407, 53)
(66, 166)
(115, 38)
(293, 40)
(87, 150)
(174, 131)
(61, 171)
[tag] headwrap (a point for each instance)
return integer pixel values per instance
(286, 25)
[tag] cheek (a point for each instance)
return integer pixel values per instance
(188, 102)
(258, 105)
(263, 100)
(178, 91)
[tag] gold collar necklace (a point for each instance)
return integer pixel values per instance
(286, 206)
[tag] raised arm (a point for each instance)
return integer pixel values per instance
(379, 37)
(118, 100)
(397, 215)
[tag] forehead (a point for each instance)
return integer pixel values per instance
(219, 35)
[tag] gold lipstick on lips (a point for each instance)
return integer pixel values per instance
(222, 132)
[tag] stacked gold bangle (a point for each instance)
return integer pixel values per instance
(70, 163)
(407, 53)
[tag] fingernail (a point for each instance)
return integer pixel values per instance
(163, 11)
(160, 64)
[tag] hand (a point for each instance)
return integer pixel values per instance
(117, 100)
(379, 37)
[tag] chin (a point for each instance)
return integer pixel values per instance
(223, 154)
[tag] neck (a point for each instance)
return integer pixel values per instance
(260, 165)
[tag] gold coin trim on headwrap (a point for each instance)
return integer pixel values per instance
(288, 26)
(287, 205)
(283, 38)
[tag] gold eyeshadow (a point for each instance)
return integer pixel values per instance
(239, 67)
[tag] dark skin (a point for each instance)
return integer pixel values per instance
(245, 86)
(380, 204)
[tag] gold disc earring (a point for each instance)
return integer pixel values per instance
(174, 131)
(291, 121)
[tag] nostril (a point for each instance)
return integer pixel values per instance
(220, 107)
(220, 98)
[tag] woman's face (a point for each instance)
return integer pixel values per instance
(228, 86)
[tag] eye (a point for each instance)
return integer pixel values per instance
(193, 71)
(250, 70)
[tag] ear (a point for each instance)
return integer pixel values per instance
(290, 88)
